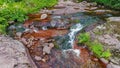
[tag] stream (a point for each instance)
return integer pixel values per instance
(62, 31)
(81, 21)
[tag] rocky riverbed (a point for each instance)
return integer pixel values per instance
(47, 39)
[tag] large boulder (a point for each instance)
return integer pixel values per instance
(13, 54)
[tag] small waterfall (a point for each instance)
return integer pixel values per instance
(66, 42)
(73, 31)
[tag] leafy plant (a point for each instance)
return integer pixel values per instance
(95, 47)
(115, 4)
(3, 25)
(98, 50)
(84, 38)
(106, 54)
(17, 10)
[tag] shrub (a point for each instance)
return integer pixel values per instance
(84, 38)
(115, 4)
(98, 50)
(95, 47)
(3, 25)
(17, 10)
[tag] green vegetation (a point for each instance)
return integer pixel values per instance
(95, 47)
(80, 0)
(84, 38)
(17, 10)
(115, 4)
(98, 50)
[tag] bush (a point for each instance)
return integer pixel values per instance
(17, 10)
(115, 4)
(98, 50)
(84, 38)
(95, 47)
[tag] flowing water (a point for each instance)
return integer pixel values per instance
(65, 57)
(76, 28)
(66, 42)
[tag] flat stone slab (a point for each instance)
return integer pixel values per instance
(113, 19)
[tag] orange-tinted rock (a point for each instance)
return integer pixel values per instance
(36, 17)
(46, 33)
(84, 54)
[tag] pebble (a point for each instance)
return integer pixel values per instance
(51, 45)
(38, 58)
(43, 16)
(46, 49)
(104, 60)
(19, 34)
(43, 60)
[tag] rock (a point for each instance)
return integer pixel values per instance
(19, 34)
(23, 40)
(113, 19)
(93, 4)
(38, 58)
(46, 33)
(43, 16)
(51, 45)
(76, 7)
(13, 54)
(69, 3)
(112, 66)
(56, 17)
(102, 11)
(53, 23)
(46, 49)
(60, 6)
(84, 2)
(110, 40)
(104, 60)
(11, 22)
(101, 27)
(43, 60)
(22, 66)
(88, 4)
(12, 27)
(93, 8)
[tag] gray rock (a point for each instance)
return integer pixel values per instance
(112, 66)
(38, 58)
(53, 23)
(46, 49)
(12, 53)
(19, 34)
(43, 16)
(114, 19)
(110, 40)
(104, 60)
(103, 11)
